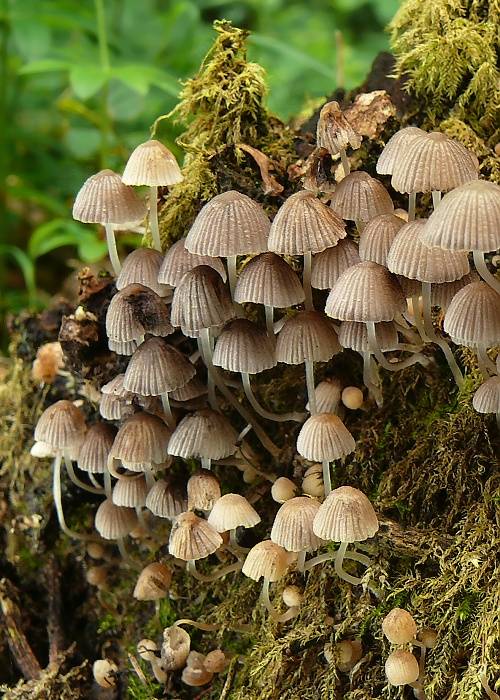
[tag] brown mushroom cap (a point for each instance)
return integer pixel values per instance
(205, 433)
(104, 199)
(399, 626)
(244, 347)
(229, 224)
(266, 560)
(328, 394)
(307, 336)
(141, 439)
(203, 490)
(192, 538)
(354, 336)
(303, 224)
(164, 500)
(283, 489)
(442, 294)
(360, 197)
(346, 515)
(328, 265)
(130, 493)
(292, 527)
(156, 368)
(113, 522)
(178, 260)
(473, 316)
(487, 397)
(232, 511)
(151, 163)
(141, 266)
(192, 390)
(396, 148)
(324, 437)
(376, 238)
(268, 279)
(401, 667)
(61, 425)
(153, 582)
(135, 311)
(333, 131)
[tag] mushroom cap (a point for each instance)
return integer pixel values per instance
(268, 279)
(130, 493)
(201, 300)
(192, 538)
(399, 626)
(283, 489)
(442, 294)
(244, 347)
(151, 163)
(360, 197)
(304, 224)
(467, 218)
(328, 265)
(164, 500)
(324, 438)
(141, 439)
(142, 266)
(365, 292)
(307, 336)
(203, 490)
(61, 425)
(113, 522)
(266, 560)
(327, 394)
(487, 397)
(153, 582)
(157, 368)
(354, 335)
(333, 131)
(114, 408)
(178, 260)
(192, 390)
(401, 667)
(115, 387)
(292, 527)
(395, 149)
(232, 511)
(352, 397)
(195, 674)
(409, 257)
(134, 311)
(205, 433)
(229, 224)
(433, 162)
(104, 199)
(104, 672)
(175, 648)
(377, 236)
(473, 316)
(346, 515)
(215, 661)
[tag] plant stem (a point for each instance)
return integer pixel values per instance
(102, 38)
(345, 162)
(269, 310)
(482, 268)
(153, 217)
(382, 360)
(165, 402)
(436, 198)
(77, 481)
(311, 393)
(339, 570)
(218, 573)
(327, 478)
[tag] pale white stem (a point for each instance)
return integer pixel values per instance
(346, 166)
(278, 418)
(235, 548)
(231, 273)
(327, 479)
(141, 519)
(436, 198)
(328, 556)
(274, 614)
(486, 365)
(434, 338)
(306, 281)
(482, 268)
(212, 397)
(206, 463)
(368, 379)
(56, 492)
(339, 570)
(77, 482)
(165, 402)
(153, 217)
(382, 360)
(113, 253)
(95, 481)
(412, 205)
(219, 573)
(107, 482)
(311, 393)
(417, 319)
(269, 320)
(301, 560)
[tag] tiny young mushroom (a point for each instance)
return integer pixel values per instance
(334, 133)
(153, 582)
(352, 397)
(114, 403)
(230, 512)
(195, 673)
(269, 561)
(292, 596)
(175, 648)
(399, 626)
(312, 483)
(401, 668)
(293, 527)
(283, 489)
(104, 672)
(215, 661)
(487, 398)
(203, 490)
(97, 576)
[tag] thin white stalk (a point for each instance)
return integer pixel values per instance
(417, 319)
(412, 205)
(56, 492)
(206, 463)
(382, 360)
(436, 198)
(368, 380)
(434, 338)
(311, 393)
(346, 166)
(306, 281)
(231, 273)
(235, 547)
(275, 614)
(77, 482)
(207, 627)
(150, 478)
(269, 310)
(113, 253)
(339, 570)
(482, 268)
(212, 397)
(107, 483)
(327, 478)
(94, 481)
(153, 217)
(278, 418)
(165, 402)
(328, 556)
(218, 573)
(141, 519)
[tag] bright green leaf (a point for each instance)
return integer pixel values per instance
(43, 65)
(87, 80)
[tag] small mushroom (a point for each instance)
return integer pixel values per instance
(104, 672)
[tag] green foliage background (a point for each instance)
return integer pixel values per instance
(82, 81)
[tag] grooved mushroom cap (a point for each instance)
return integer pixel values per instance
(328, 265)
(115, 387)
(141, 439)
(178, 260)
(151, 163)
(203, 490)
(205, 433)
(133, 312)
(164, 500)
(175, 648)
(104, 199)
(346, 515)
(201, 300)
(141, 266)
(333, 131)
(376, 238)
(229, 224)
(232, 511)
(401, 667)
(487, 397)
(153, 582)
(467, 218)
(442, 294)
(434, 162)
(303, 224)
(324, 438)
(192, 390)
(130, 493)
(409, 257)
(113, 522)
(61, 425)
(114, 408)
(292, 527)
(328, 393)
(266, 560)
(395, 149)
(473, 316)
(157, 368)
(93, 455)
(365, 292)
(360, 197)
(192, 538)
(268, 279)
(354, 336)
(244, 347)
(308, 335)
(399, 626)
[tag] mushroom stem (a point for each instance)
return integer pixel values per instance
(412, 205)
(153, 217)
(113, 253)
(311, 393)
(345, 161)
(418, 689)
(369, 380)
(218, 573)
(212, 398)
(339, 570)
(327, 479)
(301, 560)
(56, 492)
(486, 366)
(165, 402)
(206, 463)
(436, 198)
(107, 483)
(77, 482)
(94, 481)
(275, 615)
(432, 337)
(150, 478)
(279, 418)
(236, 548)
(482, 268)
(141, 519)
(486, 687)
(417, 319)
(381, 359)
(306, 281)
(328, 556)
(127, 559)
(207, 627)
(269, 311)
(231, 273)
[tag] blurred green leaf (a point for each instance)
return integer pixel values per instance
(43, 65)
(31, 37)
(287, 51)
(25, 264)
(87, 80)
(83, 142)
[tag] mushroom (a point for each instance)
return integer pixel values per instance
(203, 490)
(114, 522)
(359, 197)
(394, 151)
(334, 133)
(104, 672)
(115, 403)
(215, 661)
(142, 266)
(293, 527)
(352, 398)
(327, 394)
(141, 444)
(164, 500)
(283, 489)
(399, 626)
(328, 265)
(153, 582)
(230, 512)
(401, 668)
(204, 435)
(312, 483)
(175, 648)
(269, 561)
(130, 492)
(196, 674)
(487, 398)
(377, 236)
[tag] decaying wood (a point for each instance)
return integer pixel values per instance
(18, 644)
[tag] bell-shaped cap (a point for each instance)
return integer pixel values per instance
(203, 490)
(61, 425)
(192, 538)
(333, 131)
(153, 582)
(354, 335)
(324, 438)
(130, 492)
(157, 368)
(268, 279)
(192, 390)
(473, 316)
(229, 224)
(487, 397)
(401, 668)
(266, 560)
(346, 515)
(467, 218)
(244, 347)
(293, 525)
(396, 149)
(115, 387)
(141, 439)
(231, 511)
(399, 626)
(328, 265)
(175, 648)
(201, 300)
(303, 224)
(178, 260)
(142, 266)
(205, 433)
(307, 336)
(104, 199)
(114, 408)
(365, 292)
(360, 197)
(328, 393)
(164, 500)
(377, 236)
(151, 163)
(113, 522)
(93, 455)
(135, 311)
(442, 294)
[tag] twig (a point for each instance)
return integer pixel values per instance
(54, 630)
(18, 644)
